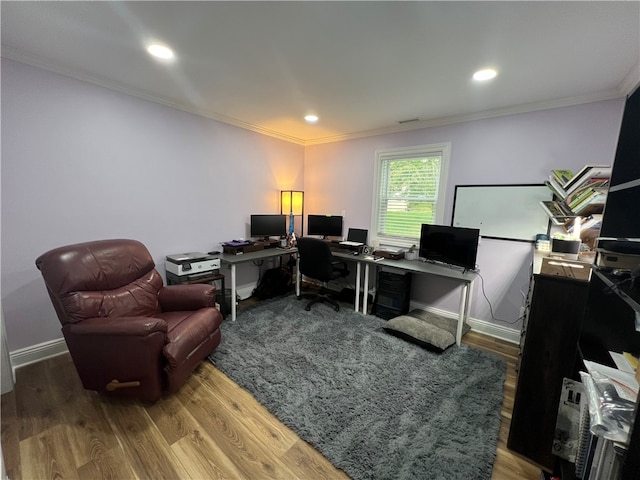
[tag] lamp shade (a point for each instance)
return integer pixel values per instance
(292, 202)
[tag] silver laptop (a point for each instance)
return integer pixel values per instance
(356, 237)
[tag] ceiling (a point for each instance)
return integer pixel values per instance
(362, 67)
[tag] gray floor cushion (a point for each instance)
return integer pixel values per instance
(426, 329)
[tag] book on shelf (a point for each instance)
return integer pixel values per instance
(592, 204)
(580, 195)
(596, 179)
(557, 211)
(591, 187)
(555, 188)
(587, 173)
(562, 176)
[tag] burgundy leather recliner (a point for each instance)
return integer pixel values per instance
(128, 334)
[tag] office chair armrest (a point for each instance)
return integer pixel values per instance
(335, 264)
(174, 298)
(340, 266)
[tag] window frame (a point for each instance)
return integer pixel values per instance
(382, 155)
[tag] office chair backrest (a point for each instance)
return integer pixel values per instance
(315, 259)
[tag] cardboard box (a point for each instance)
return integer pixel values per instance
(566, 268)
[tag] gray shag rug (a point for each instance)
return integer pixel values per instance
(374, 405)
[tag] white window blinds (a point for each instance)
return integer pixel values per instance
(409, 192)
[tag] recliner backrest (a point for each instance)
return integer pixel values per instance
(315, 258)
(105, 278)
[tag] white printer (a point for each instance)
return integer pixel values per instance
(191, 263)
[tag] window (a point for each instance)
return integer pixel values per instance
(409, 190)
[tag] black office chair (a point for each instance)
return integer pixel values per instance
(317, 262)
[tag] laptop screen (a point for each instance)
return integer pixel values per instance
(357, 235)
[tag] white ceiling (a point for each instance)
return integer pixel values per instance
(362, 67)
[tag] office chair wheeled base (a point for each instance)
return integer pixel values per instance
(322, 296)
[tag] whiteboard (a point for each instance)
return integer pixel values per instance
(508, 212)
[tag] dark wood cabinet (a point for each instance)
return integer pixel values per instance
(548, 354)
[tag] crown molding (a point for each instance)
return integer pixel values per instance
(12, 54)
(469, 117)
(630, 82)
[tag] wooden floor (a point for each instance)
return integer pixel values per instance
(209, 429)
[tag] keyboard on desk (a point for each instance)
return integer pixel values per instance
(348, 243)
(339, 249)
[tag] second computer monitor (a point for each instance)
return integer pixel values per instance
(324, 225)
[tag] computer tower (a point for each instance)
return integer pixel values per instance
(393, 294)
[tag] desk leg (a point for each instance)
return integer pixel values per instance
(366, 288)
(357, 299)
(465, 307)
(298, 276)
(233, 292)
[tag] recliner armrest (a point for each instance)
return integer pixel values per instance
(173, 298)
(125, 326)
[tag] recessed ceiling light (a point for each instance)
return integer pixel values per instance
(485, 74)
(311, 118)
(160, 51)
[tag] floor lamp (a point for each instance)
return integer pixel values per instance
(292, 203)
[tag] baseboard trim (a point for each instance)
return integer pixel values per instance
(507, 334)
(36, 353)
(42, 351)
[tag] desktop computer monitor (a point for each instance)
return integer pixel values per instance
(265, 226)
(451, 245)
(324, 225)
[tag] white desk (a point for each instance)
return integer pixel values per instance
(413, 266)
(233, 260)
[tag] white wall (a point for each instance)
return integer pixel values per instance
(81, 162)
(513, 149)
